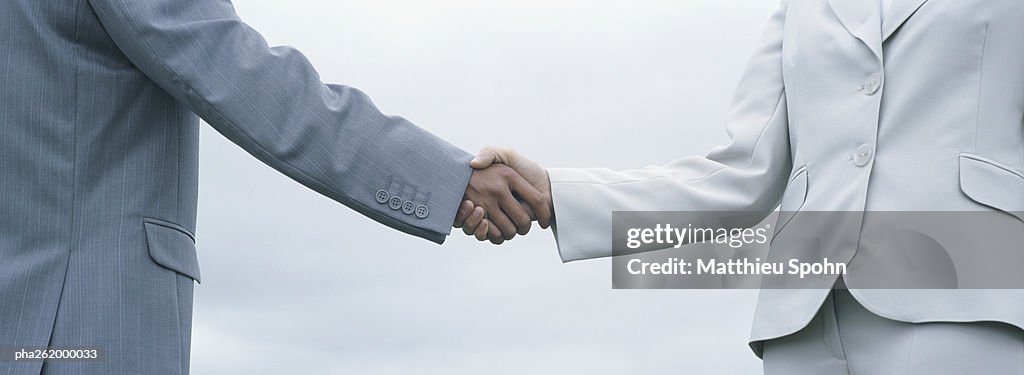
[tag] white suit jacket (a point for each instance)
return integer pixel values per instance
(838, 111)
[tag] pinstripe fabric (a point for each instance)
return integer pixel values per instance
(98, 165)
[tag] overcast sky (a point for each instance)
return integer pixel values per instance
(295, 283)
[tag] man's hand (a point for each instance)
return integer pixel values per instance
(542, 210)
(492, 208)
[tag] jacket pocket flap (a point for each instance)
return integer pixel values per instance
(172, 247)
(796, 192)
(992, 184)
(793, 199)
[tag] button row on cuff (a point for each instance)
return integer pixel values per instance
(408, 207)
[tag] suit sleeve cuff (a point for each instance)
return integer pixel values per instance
(582, 230)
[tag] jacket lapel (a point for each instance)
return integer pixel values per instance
(862, 19)
(899, 13)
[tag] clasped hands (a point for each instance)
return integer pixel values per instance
(506, 194)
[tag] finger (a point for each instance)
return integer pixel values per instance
(465, 209)
(495, 236)
(484, 158)
(499, 219)
(529, 210)
(482, 230)
(539, 203)
(492, 155)
(474, 220)
(514, 210)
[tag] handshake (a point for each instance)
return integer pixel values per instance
(506, 193)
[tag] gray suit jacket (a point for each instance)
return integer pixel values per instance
(98, 168)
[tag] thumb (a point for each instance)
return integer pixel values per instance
(485, 158)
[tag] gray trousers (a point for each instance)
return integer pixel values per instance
(845, 338)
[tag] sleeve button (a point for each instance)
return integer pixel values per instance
(408, 207)
(382, 196)
(422, 212)
(395, 203)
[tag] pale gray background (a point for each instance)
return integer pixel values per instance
(296, 283)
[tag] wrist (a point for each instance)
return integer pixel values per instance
(550, 195)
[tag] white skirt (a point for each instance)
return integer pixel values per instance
(845, 338)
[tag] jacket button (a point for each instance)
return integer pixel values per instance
(422, 212)
(872, 85)
(395, 203)
(382, 196)
(863, 155)
(408, 207)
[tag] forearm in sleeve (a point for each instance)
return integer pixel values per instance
(748, 174)
(272, 103)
